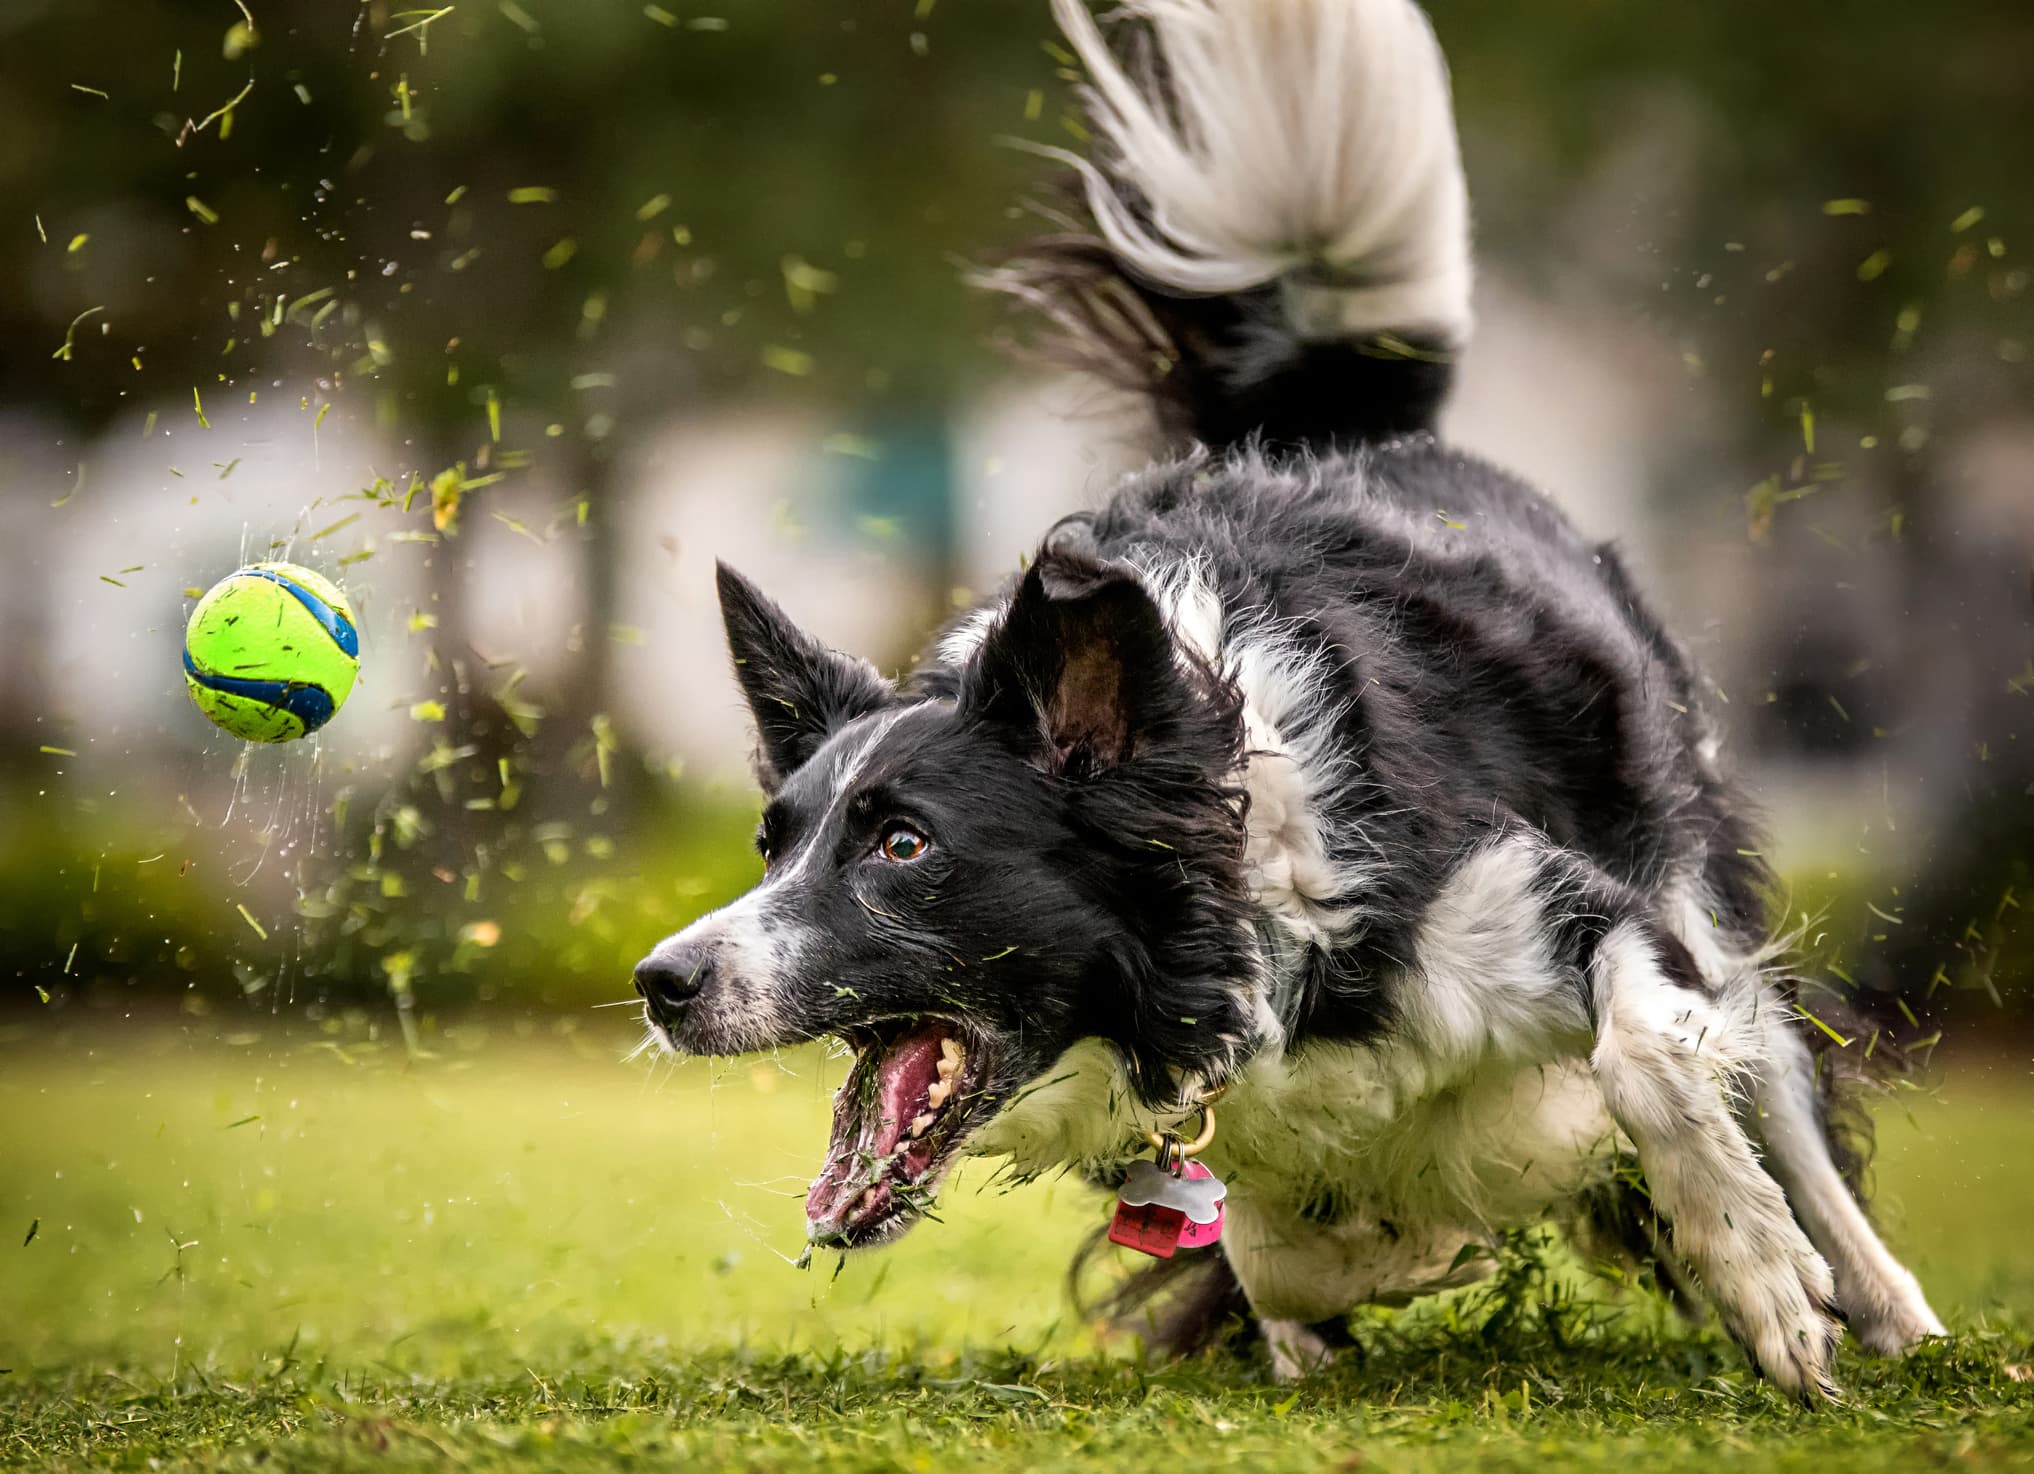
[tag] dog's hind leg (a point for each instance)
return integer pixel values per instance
(1303, 1274)
(1297, 1349)
(1878, 1296)
(1668, 1055)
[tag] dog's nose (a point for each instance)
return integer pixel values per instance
(669, 981)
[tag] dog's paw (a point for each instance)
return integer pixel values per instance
(1891, 1316)
(1781, 1308)
(1793, 1349)
(1297, 1350)
(1776, 1295)
(1897, 1332)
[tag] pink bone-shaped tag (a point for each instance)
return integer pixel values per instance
(1158, 1212)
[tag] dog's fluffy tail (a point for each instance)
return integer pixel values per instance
(1272, 230)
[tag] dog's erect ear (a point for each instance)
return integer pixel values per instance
(1082, 665)
(798, 690)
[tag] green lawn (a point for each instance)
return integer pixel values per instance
(520, 1252)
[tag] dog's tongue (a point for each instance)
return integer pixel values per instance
(876, 1103)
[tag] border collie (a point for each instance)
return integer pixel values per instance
(1323, 764)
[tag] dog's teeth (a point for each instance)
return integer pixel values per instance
(868, 1201)
(949, 1056)
(918, 1126)
(941, 1089)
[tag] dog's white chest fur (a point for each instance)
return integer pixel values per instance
(1343, 1129)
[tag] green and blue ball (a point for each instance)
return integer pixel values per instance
(271, 652)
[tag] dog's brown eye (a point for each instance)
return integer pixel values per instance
(904, 844)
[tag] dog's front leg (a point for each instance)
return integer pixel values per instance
(1668, 1057)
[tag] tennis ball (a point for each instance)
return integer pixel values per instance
(271, 652)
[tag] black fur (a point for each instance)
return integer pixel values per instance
(1488, 674)
(1220, 371)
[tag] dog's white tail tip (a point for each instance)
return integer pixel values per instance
(1309, 142)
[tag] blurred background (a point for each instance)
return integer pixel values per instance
(512, 315)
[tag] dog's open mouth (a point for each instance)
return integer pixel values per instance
(897, 1123)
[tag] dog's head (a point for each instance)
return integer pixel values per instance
(968, 874)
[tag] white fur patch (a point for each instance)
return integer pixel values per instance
(1292, 771)
(1488, 985)
(1374, 1128)
(1079, 1113)
(754, 952)
(1306, 140)
(958, 646)
(848, 768)
(1380, 1128)
(761, 949)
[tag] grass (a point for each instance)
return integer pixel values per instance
(254, 1250)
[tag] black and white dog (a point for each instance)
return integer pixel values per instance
(1323, 763)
